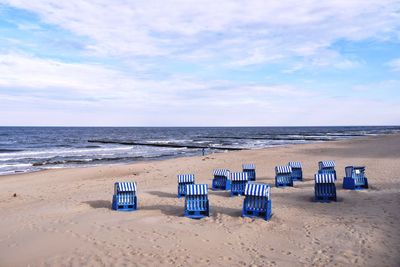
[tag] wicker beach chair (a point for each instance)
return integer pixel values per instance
(238, 183)
(124, 198)
(183, 180)
(355, 178)
(297, 170)
(327, 167)
(221, 180)
(325, 188)
(257, 202)
(196, 201)
(250, 169)
(283, 176)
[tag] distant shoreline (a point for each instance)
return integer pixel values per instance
(29, 149)
(157, 159)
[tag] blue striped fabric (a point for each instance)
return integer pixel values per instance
(327, 164)
(125, 187)
(249, 166)
(125, 198)
(295, 164)
(258, 190)
(324, 178)
(283, 169)
(239, 176)
(221, 172)
(185, 178)
(196, 189)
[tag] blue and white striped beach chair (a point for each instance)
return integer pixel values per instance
(238, 183)
(327, 167)
(325, 188)
(196, 201)
(297, 170)
(221, 180)
(257, 202)
(355, 178)
(250, 169)
(283, 176)
(124, 198)
(183, 180)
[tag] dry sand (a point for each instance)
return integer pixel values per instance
(63, 217)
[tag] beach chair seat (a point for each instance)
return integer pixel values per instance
(250, 169)
(196, 201)
(221, 180)
(238, 183)
(283, 176)
(183, 180)
(124, 198)
(355, 178)
(297, 170)
(327, 166)
(257, 202)
(325, 188)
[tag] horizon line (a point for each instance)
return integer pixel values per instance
(209, 126)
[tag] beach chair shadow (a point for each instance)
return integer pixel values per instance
(99, 204)
(162, 194)
(220, 193)
(215, 210)
(302, 185)
(169, 210)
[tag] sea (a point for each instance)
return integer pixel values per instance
(28, 149)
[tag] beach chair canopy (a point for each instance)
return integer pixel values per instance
(324, 178)
(196, 189)
(221, 172)
(186, 178)
(283, 169)
(294, 164)
(258, 190)
(239, 176)
(249, 166)
(125, 187)
(327, 164)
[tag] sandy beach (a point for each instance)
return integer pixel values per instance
(63, 217)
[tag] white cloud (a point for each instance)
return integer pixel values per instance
(242, 32)
(36, 92)
(218, 34)
(388, 87)
(394, 64)
(27, 71)
(324, 58)
(35, 75)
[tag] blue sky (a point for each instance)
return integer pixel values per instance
(199, 63)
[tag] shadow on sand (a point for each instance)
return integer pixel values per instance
(170, 210)
(232, 212)
(163, 194)
(99, 204)
(221, 193)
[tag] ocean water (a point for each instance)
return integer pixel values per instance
(27, 149)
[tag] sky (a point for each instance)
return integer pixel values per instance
(199, 63)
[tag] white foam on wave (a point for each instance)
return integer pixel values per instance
(60, 152)
(17, 165)
(13, 168)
